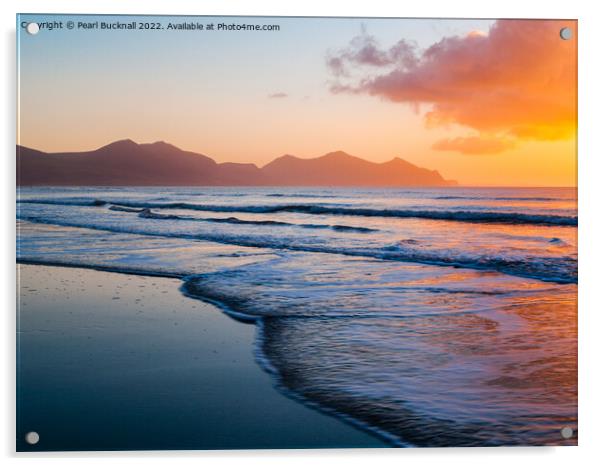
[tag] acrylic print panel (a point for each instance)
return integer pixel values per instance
(266, 232)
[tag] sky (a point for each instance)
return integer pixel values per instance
(484, 102)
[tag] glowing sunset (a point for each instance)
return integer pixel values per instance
(483, 102)
(247, 232)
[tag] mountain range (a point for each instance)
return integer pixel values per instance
(127, 163)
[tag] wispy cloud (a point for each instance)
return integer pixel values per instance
(475, 145)
(514, 83)
(278, 95)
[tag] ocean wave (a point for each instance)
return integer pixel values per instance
(413, 376)
(502, 198)
(76, 202)
(117, 208)
(320, 209)
(237, 221)
(148, 213)
(552, 269)
(312, 196)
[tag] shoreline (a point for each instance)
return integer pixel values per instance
(48, 352)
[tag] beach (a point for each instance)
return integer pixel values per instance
(371, 244)
(427, 317)
(113, 361)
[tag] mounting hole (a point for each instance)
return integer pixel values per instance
(566, 33)
(33, 28)
(566, 432)
(32, 438)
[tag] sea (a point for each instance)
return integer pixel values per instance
(430, 317)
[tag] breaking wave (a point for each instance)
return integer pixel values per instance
(553, 269)
(319, 209)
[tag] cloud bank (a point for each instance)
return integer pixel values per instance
(513, 84)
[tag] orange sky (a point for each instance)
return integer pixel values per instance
(483, 102)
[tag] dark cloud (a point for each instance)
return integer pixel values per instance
(364, 50)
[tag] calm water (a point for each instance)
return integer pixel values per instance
(125, 362)
(433, 316)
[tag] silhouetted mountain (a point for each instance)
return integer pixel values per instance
(120, 163)
(126, 163)
(342, 169)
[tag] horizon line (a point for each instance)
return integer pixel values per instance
(457, 185)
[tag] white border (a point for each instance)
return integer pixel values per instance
(590, 236)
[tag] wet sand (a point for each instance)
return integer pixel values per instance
(108, 361)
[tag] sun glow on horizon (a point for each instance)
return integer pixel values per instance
(484, 103)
